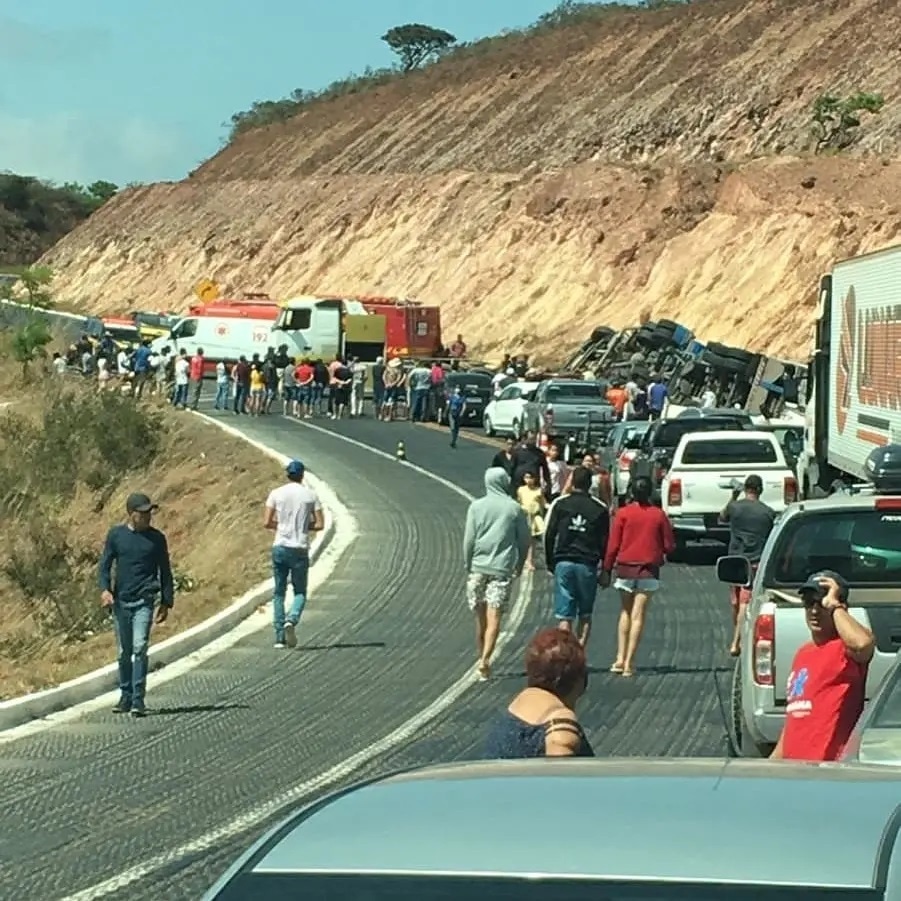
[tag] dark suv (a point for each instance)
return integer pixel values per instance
(475, 386)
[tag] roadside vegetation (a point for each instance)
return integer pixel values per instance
(836, 120)
(418, 46)
(35, 214)
(68, 458)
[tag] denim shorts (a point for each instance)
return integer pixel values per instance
(637, 586)
(575, 590)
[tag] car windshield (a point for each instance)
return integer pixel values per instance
(574, 391)
(731, 452)
(368, 887)
(670, 433)
(863, 545)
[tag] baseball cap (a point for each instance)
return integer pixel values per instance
(295, 468)
(813, 584)
(140, 503)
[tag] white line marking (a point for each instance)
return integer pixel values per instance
(323, 566)
(403, 733)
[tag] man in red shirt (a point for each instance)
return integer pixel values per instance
(827, 683)
(195, 375)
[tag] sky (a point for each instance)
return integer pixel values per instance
(139, 90)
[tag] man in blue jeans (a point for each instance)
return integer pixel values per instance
(456, 407)
(293, 511)
(143, 575)
(575, 538)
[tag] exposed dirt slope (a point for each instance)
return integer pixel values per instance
(540, 185)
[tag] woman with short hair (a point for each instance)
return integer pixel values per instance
(541, 720)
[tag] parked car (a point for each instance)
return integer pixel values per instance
(476, 388)
(506, 412)
(616, 453)
(707, 466)
(856, 534)
(876, 738)
(571, 410)
(409, 836)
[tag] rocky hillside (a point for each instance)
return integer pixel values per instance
(539, 184)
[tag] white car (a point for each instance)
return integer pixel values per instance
(505, 414)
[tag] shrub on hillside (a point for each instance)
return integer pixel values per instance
(79, 449)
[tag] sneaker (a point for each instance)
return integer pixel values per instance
(290, 635)
(280, 645)
(139, 712)
(124, 706)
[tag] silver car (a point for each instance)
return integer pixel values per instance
(616, 457)
(588, 830)
(858, 535)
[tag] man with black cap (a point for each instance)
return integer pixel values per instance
(143, 576)
(827, 683)
(293, 511)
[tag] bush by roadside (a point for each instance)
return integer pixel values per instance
(68, 458)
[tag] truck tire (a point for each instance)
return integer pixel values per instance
(601, 332)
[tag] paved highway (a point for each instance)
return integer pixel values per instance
(85, 801)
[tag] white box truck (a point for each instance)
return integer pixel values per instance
(854, 383)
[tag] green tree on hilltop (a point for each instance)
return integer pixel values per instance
(416, 44)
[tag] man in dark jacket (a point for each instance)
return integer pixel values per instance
(529, 457)
(143, 578)
(575, 539)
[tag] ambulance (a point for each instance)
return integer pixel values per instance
(309, 327)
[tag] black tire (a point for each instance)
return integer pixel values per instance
(731, 353)
(601, 332)
(668, 324)
(712, 359)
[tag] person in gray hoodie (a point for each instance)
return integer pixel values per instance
(495, 545)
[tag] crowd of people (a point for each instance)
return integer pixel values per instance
(534, 505)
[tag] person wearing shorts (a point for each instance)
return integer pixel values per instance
(496, 542)
(575, 538)
(639, 543)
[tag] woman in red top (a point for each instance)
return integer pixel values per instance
(641, 538)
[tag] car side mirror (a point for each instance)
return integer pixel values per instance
(734, 570)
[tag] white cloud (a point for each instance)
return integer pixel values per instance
(76, 147)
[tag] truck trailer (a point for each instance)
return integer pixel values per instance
(854, 380)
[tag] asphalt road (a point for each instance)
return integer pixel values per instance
(88, 800)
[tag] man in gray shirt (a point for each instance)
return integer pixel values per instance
(750, 523)
(420, 383)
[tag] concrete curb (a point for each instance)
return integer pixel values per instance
(39, 704)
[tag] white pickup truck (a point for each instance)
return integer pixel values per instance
(707, 465)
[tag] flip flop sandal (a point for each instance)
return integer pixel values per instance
(628, 673)
(616, 669)
(484, 670)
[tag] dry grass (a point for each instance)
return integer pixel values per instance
(211, 488)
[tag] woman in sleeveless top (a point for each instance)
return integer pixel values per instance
(541, 720)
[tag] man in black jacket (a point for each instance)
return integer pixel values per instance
(575, 539)
(529, 457)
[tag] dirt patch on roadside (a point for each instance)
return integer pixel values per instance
(64, 476)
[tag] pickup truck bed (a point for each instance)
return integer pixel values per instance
(705, 468)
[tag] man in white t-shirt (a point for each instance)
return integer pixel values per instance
(293, 511)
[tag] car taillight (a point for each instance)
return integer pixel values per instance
(764, 649)
(789, 490)
(625, 460)
(888, 503)
(674, 494)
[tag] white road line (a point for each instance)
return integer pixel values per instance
(258, 815)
